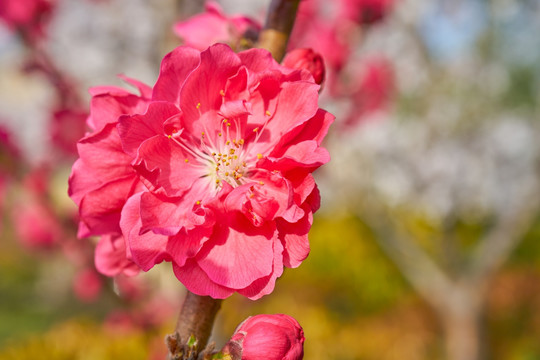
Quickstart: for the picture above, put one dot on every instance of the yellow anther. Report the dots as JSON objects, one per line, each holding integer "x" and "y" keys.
{"x": 261, "y": 183}
{"x": 256, "y": 129}
{"x": 227, "y": 142}
{"x": 221, "y": 92}
{"x": 267, "y": 113}
{"x": 186, "y": 160}
{"x": 198, "y": 105}
{"x": 231, "y": 151}
{"x": 228, "y": 124}
{"x": 219, "y": 134}
{"x": 226, "y": 173}
{"x": 259, "y": 156}
{"x": 169, "y": 136}
{"x": 241, "y": 141}
{"x": 202, "y": 134}
{"x": 213, "y": 154}
{"x": 217, "y": 181}
{"x": 235, "y": 157}
{"x": 198, "y": 202}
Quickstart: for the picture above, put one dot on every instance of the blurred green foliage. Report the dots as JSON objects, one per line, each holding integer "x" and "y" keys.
{"x": 351, "y": 300}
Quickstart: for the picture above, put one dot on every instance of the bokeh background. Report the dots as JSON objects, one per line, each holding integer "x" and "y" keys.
{"x": 427, "y": 244}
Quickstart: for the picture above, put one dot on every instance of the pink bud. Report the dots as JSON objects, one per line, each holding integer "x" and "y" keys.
{"x": 306, "y": 59}
{"x": 270, "y": 337}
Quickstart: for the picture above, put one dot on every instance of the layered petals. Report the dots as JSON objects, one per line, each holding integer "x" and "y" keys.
{"x": 101, "y": 181}
{"x": 213, "y": 174}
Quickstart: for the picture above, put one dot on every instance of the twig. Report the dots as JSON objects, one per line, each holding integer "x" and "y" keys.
{"x": 194, "y": 326}
{"x": 278, "y": 27}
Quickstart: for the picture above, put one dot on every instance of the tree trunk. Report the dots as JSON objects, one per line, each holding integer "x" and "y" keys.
{"x": 463, "y": 325}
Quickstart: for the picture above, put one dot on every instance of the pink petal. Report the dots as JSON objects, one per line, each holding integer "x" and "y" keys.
{"x": 267, "y": 195}
{"x": 83, "y": 231}
{"x": 144, "y": 90}
{"x": 187, "y": 244}
{"x": 203, "y": 89}
{"x": 106, "y": 107}
{"x": 296, "y": 104}
{"x": 101, "y": 160}
{"x": 167, "y": 216}
{"x": 203, "y": 30}
{"x": 306, "y": 154}
{"x": 198, "y": 282}
{"x": 175, "y": 68}
{"x": 110, "y": 257}
{"x": 303, "y": 185}
{"x": 265, "y": 286}
{"x": 236, "y": 87}
{"x": 163, "y": 163}
{"x": 315, "y": 128}
{"x": 238, "y": 253}
{"x": 147, "y": 249}
{"x": 235, "y": 109}
{"x": 257, "y": 60}
{"x": 135, "y": 129}
{"x": 100, "y": 209}
{"x": 295, "y": 239}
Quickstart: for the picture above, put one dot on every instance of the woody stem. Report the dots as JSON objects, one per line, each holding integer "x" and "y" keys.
{"x": 278, "y": 27}
{"x": 195, "y": 321}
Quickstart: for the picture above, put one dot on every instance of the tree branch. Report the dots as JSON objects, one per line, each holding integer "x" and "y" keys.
{"x": 194, "y": 326}
{"x": 278, "y": 27}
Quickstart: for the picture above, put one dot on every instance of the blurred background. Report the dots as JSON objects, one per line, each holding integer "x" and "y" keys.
{"x": 427, "y": 244}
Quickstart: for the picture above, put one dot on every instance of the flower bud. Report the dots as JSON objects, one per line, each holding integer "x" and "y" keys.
{"x": 270, "y": 337}
{"x": 306, "y": 59}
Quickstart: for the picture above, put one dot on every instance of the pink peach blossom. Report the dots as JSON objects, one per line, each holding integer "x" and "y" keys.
{"x": 213, "y": 26}
{"x": 270, "y": 337}
{"x": 225, "y": 151}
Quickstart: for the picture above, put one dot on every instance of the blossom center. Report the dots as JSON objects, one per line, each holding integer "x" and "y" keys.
{"x": 228, "y": 164}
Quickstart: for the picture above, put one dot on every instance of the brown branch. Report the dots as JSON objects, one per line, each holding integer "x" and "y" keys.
{"x": 194, "y": 326}
{"x": 278, "y": 27}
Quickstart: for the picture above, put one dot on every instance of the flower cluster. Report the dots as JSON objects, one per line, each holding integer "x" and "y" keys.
{"x": 211, "y": 169}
